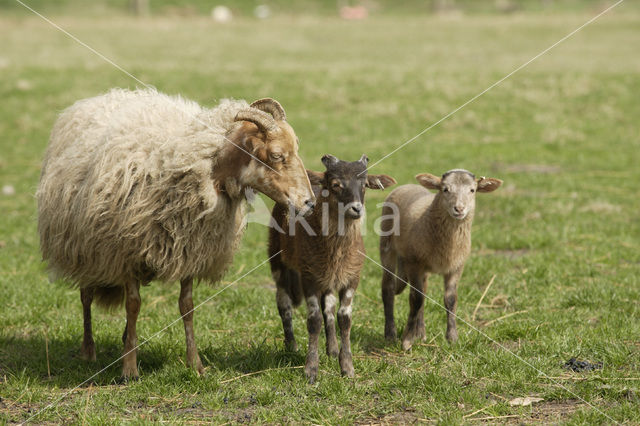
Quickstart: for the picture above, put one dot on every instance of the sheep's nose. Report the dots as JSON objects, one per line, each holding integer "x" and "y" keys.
{"x": 357, "y": 208}
{"x": 310, "y": 203}
{"x": 458, "y": 209}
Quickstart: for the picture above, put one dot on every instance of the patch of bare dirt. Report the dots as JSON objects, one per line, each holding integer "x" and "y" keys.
{"x": 400, "y": 418}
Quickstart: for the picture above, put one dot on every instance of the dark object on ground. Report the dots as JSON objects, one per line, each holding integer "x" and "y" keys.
{"x": 581, "y": 366}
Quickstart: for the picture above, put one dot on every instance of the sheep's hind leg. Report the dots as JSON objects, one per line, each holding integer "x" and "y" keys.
{"x": 451, "y": 303}
{"x": 132, "y": 304}
{"x": 88, "y": 348}
{"x": 344, "y": 321}
{"x": 328, "y": 312}
{"x": 285, "y": 309}
{"x": 314, "y": 323}
{"x": 415, "y": 323}
{"x": 185, "y": 303}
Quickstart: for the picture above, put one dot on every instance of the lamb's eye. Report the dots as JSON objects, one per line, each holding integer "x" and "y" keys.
{"x": 473, "y": 190}
{"x": 445, "y": 189}
{"x": 336, "y": 185}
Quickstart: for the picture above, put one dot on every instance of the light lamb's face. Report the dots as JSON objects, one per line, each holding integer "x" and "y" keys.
{"x": 278, "y": 172}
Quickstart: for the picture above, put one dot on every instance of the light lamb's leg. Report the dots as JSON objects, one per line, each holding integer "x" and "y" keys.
{"x": 88, "y": 348}
{"x": 328, "y": 312}
{"x": 389, "y": 294}
{"x": 314, "y": 323}
{"x": 132, "y": 304}
{"x": 185, "y": 303}
{"x": 285, "y": 309}
{"x": 344, "y": 321}
{"x": 415, "y": 323}
{"x": 451, "y": 303}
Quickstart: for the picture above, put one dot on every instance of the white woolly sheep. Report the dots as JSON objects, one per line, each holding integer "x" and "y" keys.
{"x": 138, "y": 185}
{"x": 432, "y": 235}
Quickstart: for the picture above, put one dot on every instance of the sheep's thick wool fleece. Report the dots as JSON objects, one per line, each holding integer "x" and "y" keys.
{"x": 126, "y": 190}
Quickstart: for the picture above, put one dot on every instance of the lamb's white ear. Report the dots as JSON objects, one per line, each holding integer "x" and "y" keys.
{"x": 488, "y": 184}
{"x": 315, "y": 178}
{"x": 429, "y": 181}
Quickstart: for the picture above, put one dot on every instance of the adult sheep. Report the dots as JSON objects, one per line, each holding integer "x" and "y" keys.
{"x": 139, "y": 186}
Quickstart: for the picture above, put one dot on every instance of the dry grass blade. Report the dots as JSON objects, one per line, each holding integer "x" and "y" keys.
{"x": 473, "y": 316}
{"x": 233, "y": 379}
{"x": 504, "y": 316}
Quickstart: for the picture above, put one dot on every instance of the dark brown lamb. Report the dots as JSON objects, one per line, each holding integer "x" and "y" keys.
{"x": 321, "y": 257}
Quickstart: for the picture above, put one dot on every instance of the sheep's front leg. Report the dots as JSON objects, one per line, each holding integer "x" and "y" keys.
{"x": 451, "y": 303}
{"x": 88, "y": 348}
{"x": 328, "y": 312}
{"x": 285, "y": 309}
{"x": 415, "y": 323}
{"x": 132, "y": 304}
{"x": 314, "y": 323}
{"x": 344, "y": 321}
{"x": 185, "y": 303}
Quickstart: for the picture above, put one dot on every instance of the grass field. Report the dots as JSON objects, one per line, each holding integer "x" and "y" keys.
{"x": 561, "y": 237}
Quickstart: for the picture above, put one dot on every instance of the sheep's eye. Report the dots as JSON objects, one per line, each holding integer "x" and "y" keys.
{"x": 275, "y": 156}
{"x": 336, "y": 185}
{"x": 445, "y": 189}
{"x": 473, "y": 190}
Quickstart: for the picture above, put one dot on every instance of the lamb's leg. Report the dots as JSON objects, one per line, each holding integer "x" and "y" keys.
{"x": 185, "y": 303}
{"x": 415, "y": 323}
{"x": 132, "y": 304}
{"x": 328, "y": 312}
{"x": 88, "y": 348}
{"x": 285, "y": 309}
{"x": 389, "y": 294}
{"x": 314, "y": 323}
{"x": 344, "y": 321}
{"x": 451, "y": 303}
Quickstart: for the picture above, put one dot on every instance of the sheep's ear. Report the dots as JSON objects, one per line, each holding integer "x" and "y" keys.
{"x": 429, "y": 181}
{"x": 255, "y": 146}
{"x": 379, "y": 181}
{"x": 316, "y": 178}
{"x": 488, "y": 184}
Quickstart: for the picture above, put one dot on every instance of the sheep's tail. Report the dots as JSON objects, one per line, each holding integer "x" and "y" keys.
{"x": 109, "y": 297}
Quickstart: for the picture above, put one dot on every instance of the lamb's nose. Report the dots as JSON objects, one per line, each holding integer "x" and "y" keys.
{"x": 458, "y": 209}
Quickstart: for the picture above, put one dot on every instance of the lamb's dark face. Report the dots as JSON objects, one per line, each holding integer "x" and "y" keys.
{"x": 458, "y": 189}
{"x": 344, "y": 183}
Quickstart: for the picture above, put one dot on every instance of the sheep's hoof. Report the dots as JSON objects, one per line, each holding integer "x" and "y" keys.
{"x": 452, "y": 337}
{"x": 390, "y": 335}
{"x": 197, "y": 366}
{"x": 311, "y": 372}
{"x": 332, "y": 351}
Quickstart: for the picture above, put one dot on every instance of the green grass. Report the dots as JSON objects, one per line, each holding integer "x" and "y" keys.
{"x": 561, "y": 236}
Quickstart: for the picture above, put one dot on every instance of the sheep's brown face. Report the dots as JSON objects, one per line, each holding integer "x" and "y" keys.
{"x": 344, "y": 183}
{"x": 458, "y": 189}
{"x": 275, "y": 169}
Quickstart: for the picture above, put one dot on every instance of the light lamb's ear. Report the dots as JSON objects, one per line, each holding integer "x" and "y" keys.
{"x": 379, "y": 181}
{"x": 486, "y": 184}
{"x": 315, "y": 178}
{"x": 429, "y": 181}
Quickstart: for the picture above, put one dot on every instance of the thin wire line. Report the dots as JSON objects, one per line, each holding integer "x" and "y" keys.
{"x": 150, "y": 338}
{"x": 496, "y": 83}
{"x": 148, "y": 86}
{"x": 491, "y": 339}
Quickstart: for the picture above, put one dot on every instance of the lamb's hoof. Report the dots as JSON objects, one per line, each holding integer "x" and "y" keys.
{"x": 199, "y": 369}
{"x": 452, "y": 337}
{"x": 348, "y": 371}
{"x": 291, "y": 346}
{"x": 125, "y": 380}
{"x": 390, "y": 336}
{"x": 332, "y": 352}
{"x": 311, "y": 373}
{"x": 406, "y": 345}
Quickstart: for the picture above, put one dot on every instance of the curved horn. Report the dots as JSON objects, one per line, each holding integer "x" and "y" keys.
{"x": 271, "y": 106}
{"x": 261, "y": 119}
